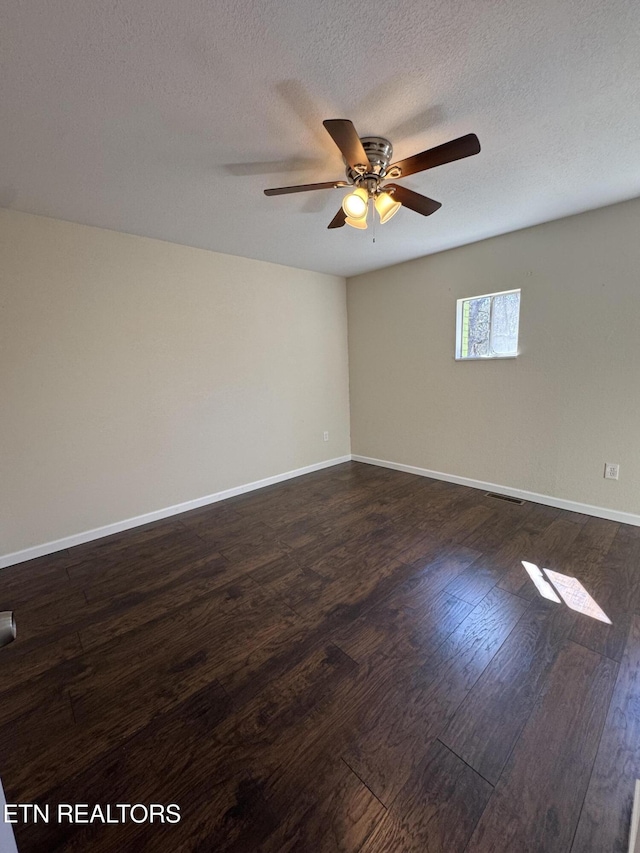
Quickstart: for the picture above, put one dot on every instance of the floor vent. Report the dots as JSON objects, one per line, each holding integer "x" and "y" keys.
{"x": 503, "y": 498}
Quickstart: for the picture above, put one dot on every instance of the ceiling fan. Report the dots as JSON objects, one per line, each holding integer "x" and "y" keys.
{"x": 368, "y": 170}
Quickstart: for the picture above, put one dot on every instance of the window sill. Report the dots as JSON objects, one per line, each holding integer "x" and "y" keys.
{"x": 484, "y": 357}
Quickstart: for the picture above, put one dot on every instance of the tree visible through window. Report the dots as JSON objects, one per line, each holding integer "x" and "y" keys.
{"x": 487, "y": 326}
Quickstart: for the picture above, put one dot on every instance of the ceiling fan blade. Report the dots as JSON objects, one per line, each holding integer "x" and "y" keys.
{"x": 346, "y": 138}
{"x": 338, "y": 219}
{"x": 414, "y": 201}
{"x": 457, "y": 149}
{"x": 303, "y": 188}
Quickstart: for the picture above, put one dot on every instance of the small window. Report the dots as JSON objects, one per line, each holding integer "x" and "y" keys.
{"x": 487, "y": 326}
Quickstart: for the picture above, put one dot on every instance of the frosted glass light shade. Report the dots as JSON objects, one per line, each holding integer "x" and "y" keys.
{"x": 386, "y": 206}
{"x": 357, "y": 223}
{"x": 355, "y": 204}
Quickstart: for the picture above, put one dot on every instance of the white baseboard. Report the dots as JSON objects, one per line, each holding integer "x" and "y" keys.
{"x": 548, "y": 500}
{"x": 157, "y": 515}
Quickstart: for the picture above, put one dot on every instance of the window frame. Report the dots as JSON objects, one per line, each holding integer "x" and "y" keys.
{"x": 492, "y": 356}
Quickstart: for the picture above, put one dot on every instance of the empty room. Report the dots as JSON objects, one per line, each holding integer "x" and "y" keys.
{"x": 320, "y": 427}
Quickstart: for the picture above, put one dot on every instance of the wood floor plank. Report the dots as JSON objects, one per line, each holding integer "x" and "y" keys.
{"x": 334, "y": 814}
{"x": 213, "y": 763}
{"x": 91, "y": 562}
{"x": 502, "y": 524}
{"x": 244, "y": 540}
{"x": 155, "y": 572}
{"x": 348, "y": 595}
{"x": 401, "y": 631}
{"x": 476, "y": 581}
{"x": 267, "y": 735}
{"x": 74, "y": 664}
{"x": 436, "y": 810}
{"x": 287, "y": 663}
{"x": 48, "y": 620}
{"x": 547, "y": 550}
{"x": 489, "y": 569}
{"x": 606, "y": 816}
{"x": 332, "y": 529}
{"x": 614, "y": 584}
{"x": 394, "y": 734}
{"x": 110, "y": 604}
{"x": 53, "y": 713}
{"x": 365, "y": 549}
{"x": 125, "y": 613}
{"x": 554, "y": 755}
{"x": 206, "y": 640}
{"x": 284, "y": 573}
{"x": 18, "y": 699}
{"x": 489, "y": 721}
{"x": 271, "y": 658}
{"x": 438, "y": 563}
{"x": 119, "y": 688}
{"x": 445, "y": 512}
{"x": 416, "y": 617}
{"x": 35, "y": 580}
{"x": 589, "y": 548}
{"x": 132, "y": 772}
{"x": 24, "y": 662}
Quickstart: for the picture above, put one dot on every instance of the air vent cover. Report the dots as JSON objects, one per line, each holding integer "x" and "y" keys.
{"x": 503, "y": 498}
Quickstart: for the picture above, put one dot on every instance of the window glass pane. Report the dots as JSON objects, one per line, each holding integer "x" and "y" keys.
{"x": 504, "y": 325}
{"x": 479, "y": 327}
{"x": 464, "y": 331}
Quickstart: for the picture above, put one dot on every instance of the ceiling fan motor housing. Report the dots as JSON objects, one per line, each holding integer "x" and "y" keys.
{"x": 379, "y": 151}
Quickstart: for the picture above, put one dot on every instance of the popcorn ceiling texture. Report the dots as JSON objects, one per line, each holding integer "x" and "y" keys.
{"x": 168, "y": 119}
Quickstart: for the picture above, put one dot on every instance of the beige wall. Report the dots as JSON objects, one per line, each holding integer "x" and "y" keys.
{"x": 137, "y": 374}
{"x": 545, "y": 422}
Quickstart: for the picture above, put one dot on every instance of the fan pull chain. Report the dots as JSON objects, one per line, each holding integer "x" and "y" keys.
{"x": 373, "y": 217}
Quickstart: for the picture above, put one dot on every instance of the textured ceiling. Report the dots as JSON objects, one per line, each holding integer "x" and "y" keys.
{"x": 167, "y": 119}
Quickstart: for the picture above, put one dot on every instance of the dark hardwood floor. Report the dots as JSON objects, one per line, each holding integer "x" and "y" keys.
{"x": 355, "y": 660}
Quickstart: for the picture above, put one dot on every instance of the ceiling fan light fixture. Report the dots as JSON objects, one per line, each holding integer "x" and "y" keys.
{"x": 355, "y": 205}
{"x": 367, "y": 167}
{"x": 386, "y": 206}
{"x": 357, "y": 223}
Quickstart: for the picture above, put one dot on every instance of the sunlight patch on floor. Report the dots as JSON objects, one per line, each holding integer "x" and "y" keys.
{"x": 576, "y": 596}
{"x": 570, "y": 589}
{"x": 542, "y": 585}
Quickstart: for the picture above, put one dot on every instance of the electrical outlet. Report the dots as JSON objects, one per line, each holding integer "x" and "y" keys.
{"x": 326, "y": 436}
{"x": 611, "y": 470}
